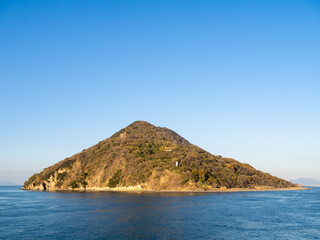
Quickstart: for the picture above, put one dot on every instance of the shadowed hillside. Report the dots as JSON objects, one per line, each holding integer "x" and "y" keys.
{"x": 142, "y": 156}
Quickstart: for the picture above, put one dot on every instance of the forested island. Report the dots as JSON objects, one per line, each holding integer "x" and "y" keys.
{"x": 143, "y": 157}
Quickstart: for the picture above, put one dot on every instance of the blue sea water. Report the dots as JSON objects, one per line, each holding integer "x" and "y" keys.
{"x": 116, "y": 215}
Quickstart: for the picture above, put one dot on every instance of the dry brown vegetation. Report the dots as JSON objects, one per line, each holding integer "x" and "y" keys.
{"x": 145, "y": 155}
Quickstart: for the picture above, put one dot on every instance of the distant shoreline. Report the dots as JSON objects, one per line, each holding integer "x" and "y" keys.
{"x": 134, "y": 190}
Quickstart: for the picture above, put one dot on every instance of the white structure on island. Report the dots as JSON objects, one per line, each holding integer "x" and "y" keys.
{"x": 177, "y": 163}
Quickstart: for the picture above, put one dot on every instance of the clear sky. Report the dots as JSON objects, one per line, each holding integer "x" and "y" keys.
{"x": 240, "y": 79}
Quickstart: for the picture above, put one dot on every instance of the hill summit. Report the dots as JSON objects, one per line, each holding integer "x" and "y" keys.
{"x": 143, "y": 156}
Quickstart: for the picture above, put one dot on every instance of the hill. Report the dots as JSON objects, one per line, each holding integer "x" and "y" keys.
{"x": 307, "y": 181}
{"x": 142, "y": 156}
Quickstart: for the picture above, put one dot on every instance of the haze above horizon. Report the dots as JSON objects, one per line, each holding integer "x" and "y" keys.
{"x": 237, "y": 78}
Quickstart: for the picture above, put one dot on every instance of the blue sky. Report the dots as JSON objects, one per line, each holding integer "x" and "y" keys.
{"x": 238, "y": 78}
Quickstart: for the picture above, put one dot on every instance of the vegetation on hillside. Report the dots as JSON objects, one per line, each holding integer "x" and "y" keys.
{"x": 145, "y": 155}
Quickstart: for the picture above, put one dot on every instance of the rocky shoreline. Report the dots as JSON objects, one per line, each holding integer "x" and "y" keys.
{"x": 140, "y": 190}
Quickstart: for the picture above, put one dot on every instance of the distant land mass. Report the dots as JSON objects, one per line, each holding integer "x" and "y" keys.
{"x": 307, "y": 181}
{"x": 5, "y": 183}
{"x": 145, "y": 157}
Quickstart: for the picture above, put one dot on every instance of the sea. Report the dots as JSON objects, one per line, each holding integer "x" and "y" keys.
{"x": 120, "y": 215}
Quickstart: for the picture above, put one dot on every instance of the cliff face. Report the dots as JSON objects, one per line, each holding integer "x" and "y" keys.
{"x": 142, "y": 156}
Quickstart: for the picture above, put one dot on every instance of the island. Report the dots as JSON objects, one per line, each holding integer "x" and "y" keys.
{"x": 143, "y": 157}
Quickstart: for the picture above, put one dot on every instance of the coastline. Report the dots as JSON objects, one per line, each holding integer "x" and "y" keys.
{"x": 140, "y": 190}
{"x": 196, "y": 191}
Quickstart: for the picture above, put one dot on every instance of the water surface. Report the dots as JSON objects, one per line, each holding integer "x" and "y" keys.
{"x": 116, "y": 215}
